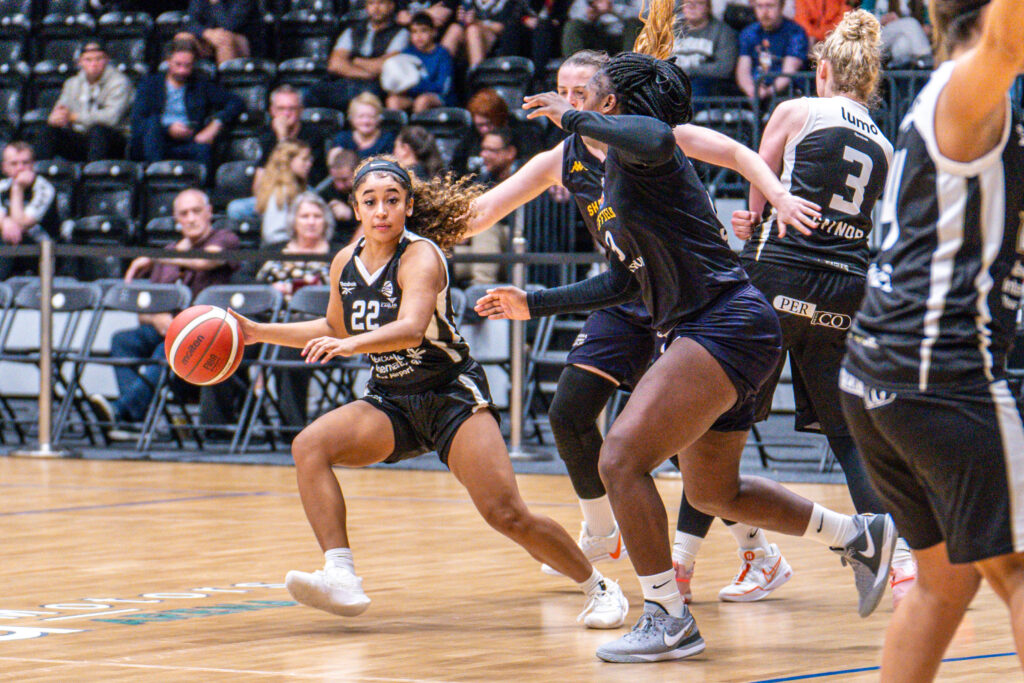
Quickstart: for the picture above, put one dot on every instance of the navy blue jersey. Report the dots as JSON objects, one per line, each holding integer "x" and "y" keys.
{"x": 839, "y": 161}
{"x": 583, "y": 176}
{"x": 944, "y": 290}
{"x": 371, "y": 300}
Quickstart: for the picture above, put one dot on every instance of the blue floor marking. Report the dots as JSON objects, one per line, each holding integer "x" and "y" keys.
{"x": 825, "y": 674}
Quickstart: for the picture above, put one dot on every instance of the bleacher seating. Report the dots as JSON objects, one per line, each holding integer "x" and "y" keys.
{"x": 448, "y": 125}
{"x": 302, "y": 33}
{"x": 110, "y": 187}
{"x": 125, "y": 35}
{"x": 60, "y": 36}
{"x": 250, "y": 79}
{"x": 64, "y": 176}
{"x": 164, "y": 180}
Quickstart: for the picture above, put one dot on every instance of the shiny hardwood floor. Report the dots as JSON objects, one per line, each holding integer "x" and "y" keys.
{"x": 128, "y": 571}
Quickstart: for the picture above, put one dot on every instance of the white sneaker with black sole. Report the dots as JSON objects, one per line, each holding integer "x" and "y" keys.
{"x": 330, "y": 589}
{"x": 656, "y": 636}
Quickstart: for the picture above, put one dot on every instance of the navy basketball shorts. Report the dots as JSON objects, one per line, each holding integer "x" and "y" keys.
{"x": 740, "y": 330}
{"x": 815, "y": 310}
{"x": 615, "y": 342}
{"x": 948, "y": 464}
{"x": 428, "y": 420}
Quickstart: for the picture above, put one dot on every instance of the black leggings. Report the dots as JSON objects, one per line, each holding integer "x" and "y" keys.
{"x": 579, "y": 400}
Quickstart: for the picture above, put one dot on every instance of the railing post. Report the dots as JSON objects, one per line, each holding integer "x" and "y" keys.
{"x": 44, "y": 448}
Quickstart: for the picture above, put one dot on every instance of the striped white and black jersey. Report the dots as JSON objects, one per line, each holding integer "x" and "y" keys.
{"x": 944, "y": 290}
{"x": 371, "y": 300}
{"x": 839, "y": 161}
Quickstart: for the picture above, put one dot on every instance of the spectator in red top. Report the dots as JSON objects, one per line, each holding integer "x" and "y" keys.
{"x": 819, "y": 17}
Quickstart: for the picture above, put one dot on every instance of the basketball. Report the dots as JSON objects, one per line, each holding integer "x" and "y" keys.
{"x": 204, "y": 345}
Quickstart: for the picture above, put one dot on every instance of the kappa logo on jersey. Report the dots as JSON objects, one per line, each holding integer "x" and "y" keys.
{"x": 577, "y": 167}
{"x": 795, "y": 306}
{"x": 836, "y": 321}
{"x": 876, "y": 398}
{"x": 636, "y": 264}
{"x": 347, "y": 288}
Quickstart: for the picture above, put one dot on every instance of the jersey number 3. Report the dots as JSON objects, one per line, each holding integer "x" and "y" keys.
{"x": 858, "y": 183}
{"x": 364, "y": 315}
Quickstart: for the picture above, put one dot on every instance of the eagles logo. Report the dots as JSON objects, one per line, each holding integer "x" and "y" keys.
{"x": 387, "y": 289}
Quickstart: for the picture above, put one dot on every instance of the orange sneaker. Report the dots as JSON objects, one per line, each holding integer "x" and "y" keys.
{"x": 683, "y": 581}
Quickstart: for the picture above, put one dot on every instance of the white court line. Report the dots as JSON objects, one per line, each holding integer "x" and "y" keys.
{"x": 291, "y": 674}
{"x": 91, "y": 614}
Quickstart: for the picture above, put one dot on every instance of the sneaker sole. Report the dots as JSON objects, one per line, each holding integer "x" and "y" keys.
{"x": 694, "y": 646}
{"x": 869, "y": 603}
{"x": 310, "y": 596}
{"x": 758, "y": 593}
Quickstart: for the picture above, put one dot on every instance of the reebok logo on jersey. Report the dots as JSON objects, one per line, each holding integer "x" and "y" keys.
{"x": 794, "y": 306}
{"x": 347, "y": 288}
{"x": 577, "y": 167}
{"x": 636, "y": 264}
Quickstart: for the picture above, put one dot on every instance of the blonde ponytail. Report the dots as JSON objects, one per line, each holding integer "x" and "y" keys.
{"x": 854, "y": 50}
{"x": 658, "y": 37}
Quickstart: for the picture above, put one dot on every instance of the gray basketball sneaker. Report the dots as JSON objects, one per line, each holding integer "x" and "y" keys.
{"x": 870, "y": 557}
{"x": 655, "y": 636}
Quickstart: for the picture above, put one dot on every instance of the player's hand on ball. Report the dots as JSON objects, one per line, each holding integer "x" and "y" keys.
{"x": 247, "y": 327}
{"x": 503, "y": 303}
{"x": 322, "y": 349}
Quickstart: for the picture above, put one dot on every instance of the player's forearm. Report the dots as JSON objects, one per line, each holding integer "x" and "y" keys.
{"x": 295, "y": 335}
{"x": 396, "y": 336}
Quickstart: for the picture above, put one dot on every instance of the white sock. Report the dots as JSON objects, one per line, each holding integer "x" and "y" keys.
{"x": 593, "y": 584}
{"x": 597, "y": 513}
{"x": 685, "y": 549}
{"x": 661, "y": 590}
{"x": 340, "y": 558}
{"x": 901, "y": 557}
{"x": 748, "y": 537}
{"x": 831, "y": 528}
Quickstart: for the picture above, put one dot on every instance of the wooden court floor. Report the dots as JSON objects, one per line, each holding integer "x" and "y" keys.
{"x": 131, "y": 571}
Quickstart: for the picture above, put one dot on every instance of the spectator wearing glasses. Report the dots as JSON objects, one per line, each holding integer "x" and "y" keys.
{"x": 88, "y": 122}
{"x": 771, "y": 46}
{"x": 706, "y": 50}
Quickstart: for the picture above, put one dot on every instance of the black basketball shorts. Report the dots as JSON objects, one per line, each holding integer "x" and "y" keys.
{"x": 616, "y": 343}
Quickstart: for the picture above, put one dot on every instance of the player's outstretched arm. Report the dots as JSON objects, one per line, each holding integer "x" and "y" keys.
{"x": 535, "y": 176}
{"x": 786, "y": 121}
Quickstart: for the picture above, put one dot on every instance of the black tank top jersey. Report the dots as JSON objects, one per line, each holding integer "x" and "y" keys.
{"x": 583, "y": 176}
{"x": 839, "y": 161}
{"x": 944, "y": 290}
{"x": 661, "y": 224}
{"x": 371, "y": 300}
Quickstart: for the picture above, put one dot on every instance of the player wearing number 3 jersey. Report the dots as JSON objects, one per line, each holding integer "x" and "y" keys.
{"x": 390, "y": 300}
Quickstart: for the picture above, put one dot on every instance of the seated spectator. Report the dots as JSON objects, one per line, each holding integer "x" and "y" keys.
{"x": 819, "y": 17}
{"x": 89, "y": 120}
{"x": 285, "y": 124}
{"x": 285, "y": 177}
{"x": 904, "y": 40}
{"x": 417, "y": 151}
{"x": 178, "y": 115}
{"x": 500, "y": 159}
{"x": 194, "y": 216}
{"x": 609, "y": 25}
{"x": 486, "y": 28}
{"x": 489, "y": 112}
{"x": 771, "y": 46}
{"x": 441, "y": 13}
{"x": 336, "y": 190}
{"x": 27, "y": 212}
{"x": 221, "y": 28}
{"x": 706, "y": 50}
{"x": 366, "y": 138}
{"x": 310, "y": 225}
{"x": 358, "y": 56}
{"x": 435, "y": 86}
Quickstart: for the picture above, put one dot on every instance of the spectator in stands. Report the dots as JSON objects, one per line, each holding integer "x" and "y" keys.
{"x": 221, "y": 28}
{"x": 89, "y": 120}
{"x": 285, "y": 177}
{"x": 417, "y": 151}
{"x": 500, "y": 160}
{"x": 336, "y": 190}
{"x": 358, "y": 57}
{"x": 366, "y": 137}
{"x": 194, "y": 215}
{"x": 819, "y": 17}
{"x": 435, "y": 86}
{"x": 485, "y": 28}
{"x": 706, "y": 49}
{"x": 310, "y": 225}
{"x": 489, "y": 112}
{"x": 441, "y": 13}
{"x": 771, "y": 46}
{"x": 27, "y": 212}
{"x": 178, "y": 115}
{"x": 904, "y": 39}
{"x": 609, "y": 25}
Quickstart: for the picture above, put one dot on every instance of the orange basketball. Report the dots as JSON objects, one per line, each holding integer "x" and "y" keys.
{"x": 203, "y": 345}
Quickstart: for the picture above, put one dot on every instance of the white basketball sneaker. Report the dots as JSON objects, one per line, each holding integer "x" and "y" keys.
{"x": 596, "y": 548}
{"x": 330, "y": 589}
{"x": 607, "y": 607}
{"x": 761, "y": 572}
